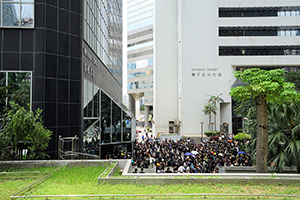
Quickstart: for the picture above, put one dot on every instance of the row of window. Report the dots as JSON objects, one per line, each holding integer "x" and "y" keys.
{"x": 140, "y": 11}
{"x": 259, "y": 31}
{"x": 139, "y": 24}
{"x": 258, "y": 50}
{"x": 140, "y": 64}
{"x": 137, "y": 5}
{"x": 140, "y": 85}
{"x": 17, "y": 14}
{"x": 259, "y": 11}
{"x": 114, "y": 124}
{"x": 103, "y": 32}
{"x": 139, "y": 46}
{"x": 140, "y": 74}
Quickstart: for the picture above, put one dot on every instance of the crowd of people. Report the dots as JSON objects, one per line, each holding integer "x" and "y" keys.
{"x": 186, "y": 156}
{"x": 180, "y": 156}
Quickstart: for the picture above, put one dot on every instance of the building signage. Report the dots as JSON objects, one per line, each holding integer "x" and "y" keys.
{"x": 205, "y": 72}
{"x": 90, "y": 57}
{"x": 88, "y": 69}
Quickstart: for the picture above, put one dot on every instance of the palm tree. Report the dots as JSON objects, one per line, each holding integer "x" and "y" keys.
{"x": 284, "y": 135}
{"x": 208, "y": 110}
{"x": 214, "y": 100}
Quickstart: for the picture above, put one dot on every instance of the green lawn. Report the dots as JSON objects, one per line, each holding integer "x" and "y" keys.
{"x": 12, "y": 183}
{"x": 83, "y": 180}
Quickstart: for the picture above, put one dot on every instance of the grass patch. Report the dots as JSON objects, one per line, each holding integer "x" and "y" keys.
{"x": 12, "y": 183}
{"x": 118, "y": 173}
{"x": 83, "y": 180}
{"x": 108, "y": 169}
{"x": 75, "y": 180}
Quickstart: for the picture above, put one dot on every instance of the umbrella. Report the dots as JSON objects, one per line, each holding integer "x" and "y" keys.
{"x": 194, "y": 152}
{"x": 242, "y": 152}
{"x": 188, "y": 154}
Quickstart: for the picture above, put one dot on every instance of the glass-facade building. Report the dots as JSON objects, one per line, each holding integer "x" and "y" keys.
{"x": 140, "y": 52}
{"x": 69, "y": 54}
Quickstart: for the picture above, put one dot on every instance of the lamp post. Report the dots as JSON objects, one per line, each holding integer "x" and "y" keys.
{"x": 225, "y": 125}
{"x": 201, "y": 124}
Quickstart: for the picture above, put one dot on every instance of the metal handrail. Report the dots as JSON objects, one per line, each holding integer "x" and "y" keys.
{"x": 157, "y": 195}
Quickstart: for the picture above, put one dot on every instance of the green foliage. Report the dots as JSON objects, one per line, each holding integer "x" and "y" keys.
{"x": 142, "y": 107}
{"x": 208, "y": 133}
{"x": 242, "y": 136}
{"x": 3, "y": 96}
{"x": 214, "y": 99}
{"x": 211, "y": 107}
{"x": 284, "y": 135}
{"x": 263, "y": 86}
{"x": 208, "y": 110}
{"x": 258, "y": 82}
{"x": 18, "y": 88}
{"x": 293, "y": 77}
{"x": 211, "y": 133}
{"x": 25, "y": 126}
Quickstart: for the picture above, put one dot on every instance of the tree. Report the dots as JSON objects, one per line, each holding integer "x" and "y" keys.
{"x": 3, "y": 98}
{"x": 208, "y": 110}
{"x": 293, "y": 77}
{"x": 284, "y": 135}
{"x": 263, "y": 86}
{"x": 19, "y": 87}
{"x": 214, "y": 100}
{"x": 26, "y": 126}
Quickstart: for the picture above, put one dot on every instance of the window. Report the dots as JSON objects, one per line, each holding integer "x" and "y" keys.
{"x": 103, "y": 32}
{"x": 258, "y": 50}
{"x": 17, "y": 13}
{"x": 259, "y": 11}
{"x": 18, "y": 88}
{"x": 259, "y": 31}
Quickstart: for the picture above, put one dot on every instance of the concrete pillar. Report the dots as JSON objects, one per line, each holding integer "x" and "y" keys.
{"x": 147, "y": 110}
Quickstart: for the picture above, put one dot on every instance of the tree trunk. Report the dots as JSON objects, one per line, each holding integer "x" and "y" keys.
{"x": 262, "y": 135}
{"x": 209, "y": 121}
{"x": 215, "y": 119}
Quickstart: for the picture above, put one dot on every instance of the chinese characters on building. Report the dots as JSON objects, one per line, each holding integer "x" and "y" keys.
{"x": 205, "y": 72}
{"x": 87, "y": 69}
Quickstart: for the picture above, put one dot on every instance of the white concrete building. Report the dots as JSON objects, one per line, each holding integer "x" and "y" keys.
{"x": 198, "y": 44}
{"x": 140, "y": 57}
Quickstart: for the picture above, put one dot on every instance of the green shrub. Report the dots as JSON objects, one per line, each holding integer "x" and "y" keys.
{"x": 211, "y": 133}
{"x": 248, "y": 137}
{"x": 242, "y": 136}
{"x": 208, "y": 133}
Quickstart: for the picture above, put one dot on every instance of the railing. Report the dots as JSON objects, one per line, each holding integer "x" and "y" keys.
{"x": 152, "y": 196}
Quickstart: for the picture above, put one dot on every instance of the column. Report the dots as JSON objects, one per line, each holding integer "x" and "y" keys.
{"x": 147, "y": 109}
